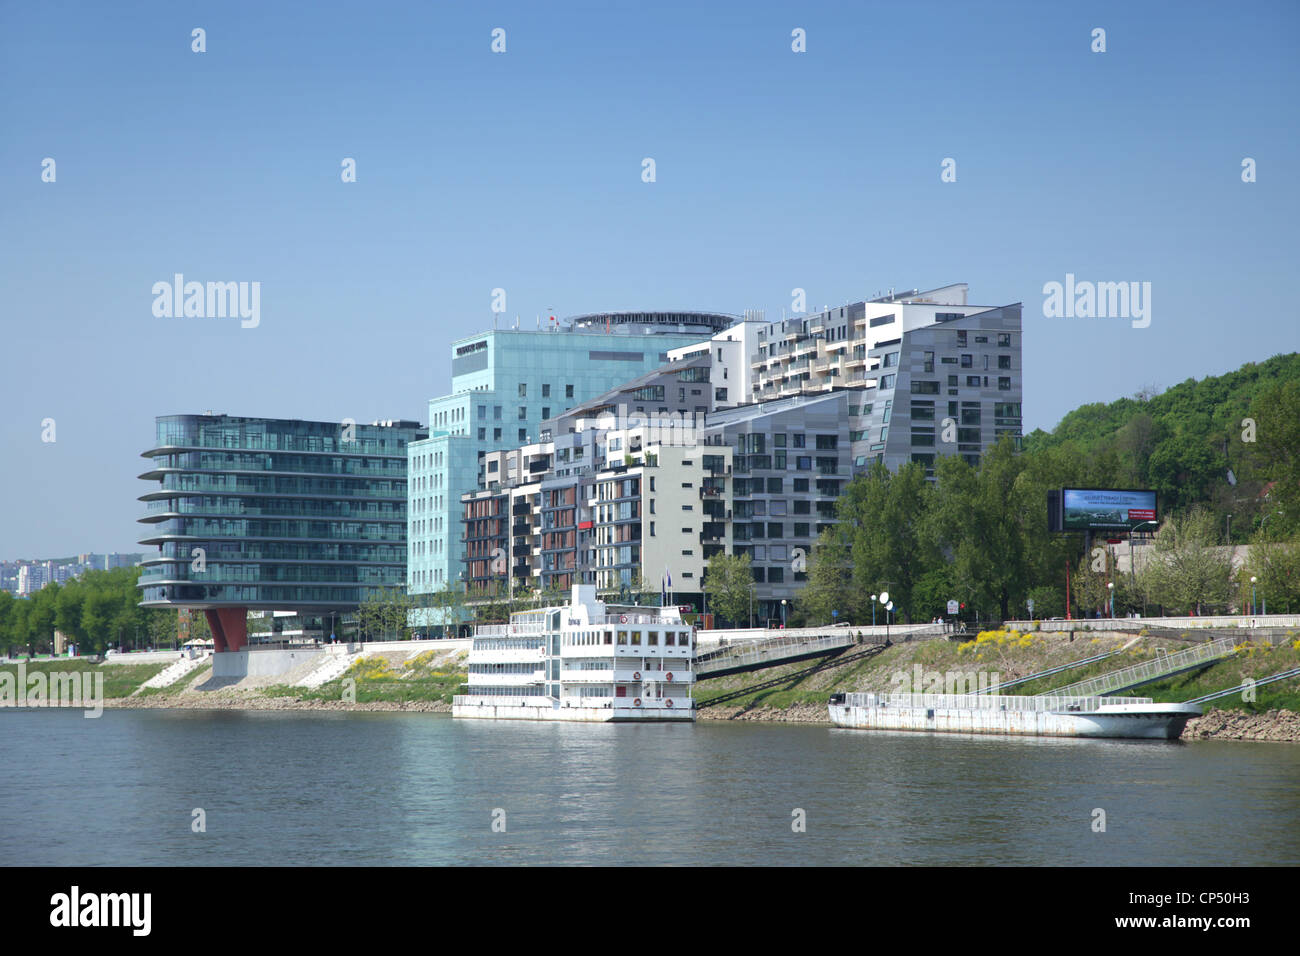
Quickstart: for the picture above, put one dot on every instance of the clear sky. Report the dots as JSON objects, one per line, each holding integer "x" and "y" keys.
{"x": 521, "y": 170}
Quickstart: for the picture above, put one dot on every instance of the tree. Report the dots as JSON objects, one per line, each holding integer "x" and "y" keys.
{"x": 981, "y": 515}
{"x": 1277, "y": 419}
{"x": 1187, "y": 571}
{"x": 830, "y": 572}
{"x": 729, "y": 585}
{"x": 1276, "y": 564}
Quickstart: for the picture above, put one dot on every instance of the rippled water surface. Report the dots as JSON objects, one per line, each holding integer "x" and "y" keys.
{"x": 323, "y": 788}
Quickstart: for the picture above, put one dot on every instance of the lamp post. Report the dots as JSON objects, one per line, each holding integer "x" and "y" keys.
{"x": 1110, "y": 587}
{"x": 873, "y": 610}
{"x": 1263, "y": 521}
{"x": 1252, "y": 595}
{"x": 1229, "y": 529}
{"x": 889, "y": 609}
{"x": 783, "y": 613}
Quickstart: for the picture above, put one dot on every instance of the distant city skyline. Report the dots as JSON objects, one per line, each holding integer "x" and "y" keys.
{"x": 995, "y": 147}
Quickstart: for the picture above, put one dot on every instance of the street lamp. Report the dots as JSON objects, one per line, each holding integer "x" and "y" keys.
{"x": 873, "y": 610}
{"x": 889, "y": 608}
{"x": 783, "y": 613}
{"x": 1252, "y": 595}
{"x": 1110, "y": 587}
{"x": 1229, "y": 529}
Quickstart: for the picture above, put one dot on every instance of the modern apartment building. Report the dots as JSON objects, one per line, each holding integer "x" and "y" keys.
{"x": 766, "y": 473}
{"x": 505, "y": 384}
{"x": 274, "y": 514}
{"x": 923, "y": 359}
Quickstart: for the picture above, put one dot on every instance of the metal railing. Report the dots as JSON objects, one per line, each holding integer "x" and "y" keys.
{"x": 1096, "y": 658}
{"x": 1056, "y": 702}
{"x": 1160, "y": 666}
{"x": 1293, "y": 672}
{"x": 509, "y": 630}
{"x": 775, "y": 649}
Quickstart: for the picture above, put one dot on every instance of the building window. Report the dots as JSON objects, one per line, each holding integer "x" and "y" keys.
{"x": 523, "y": 390}
{"x": 546, "y": 391}
{"x": 568, "y": 391}
{"x": 1004, "y": 340}
{"x": 967, "y": 361}
{"x": 496, "y": 413}
{"x": 546, "y": 412}
{"x": 1004, "y": 384}
{"x": 800, "y": 484}
{"x": 496, "y": 434}
{"x": 881, "y": 320}
{"x": 961, "y": 338}
{"x": 482, "y": 434}
{"x": 523, "y": 434}
{"x": 1004, "y": 361}
{"x": 926, "y": 388}
{"x": 972, "y": 381}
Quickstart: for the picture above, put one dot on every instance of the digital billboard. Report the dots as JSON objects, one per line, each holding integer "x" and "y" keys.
{"x": 1106, "y": 509}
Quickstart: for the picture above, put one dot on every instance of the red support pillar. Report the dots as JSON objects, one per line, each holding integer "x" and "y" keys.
{"x": 229, "y": 626}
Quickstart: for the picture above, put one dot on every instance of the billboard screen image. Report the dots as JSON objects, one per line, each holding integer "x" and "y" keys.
{"x": 1086, "y": 508}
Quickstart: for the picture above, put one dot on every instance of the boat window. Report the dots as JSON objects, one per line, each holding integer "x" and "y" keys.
{"x": 609, "y": 637}
{"x": 636, "y": 638}
{"x": 669, "y": 638}
{"x": 652, "y": 638}
{"x": 622, "y": 637}
{"x": 685, "y": 639}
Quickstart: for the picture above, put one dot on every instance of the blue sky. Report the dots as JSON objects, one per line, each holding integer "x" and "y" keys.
{"x": 522, "y": 170}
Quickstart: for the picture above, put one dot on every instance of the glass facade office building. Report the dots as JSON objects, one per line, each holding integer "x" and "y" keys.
{"x": 274, "y": 514}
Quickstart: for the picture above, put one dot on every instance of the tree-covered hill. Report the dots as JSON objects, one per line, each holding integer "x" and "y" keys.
{"x": 1184, "y": 441}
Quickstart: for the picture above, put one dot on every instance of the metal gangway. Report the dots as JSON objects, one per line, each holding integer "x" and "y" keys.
{"x": 1293, "y": 672}
{"x": 756, "y": 655}
{"x": 1096, "y": 658}
{"x": 1159, "y": 667}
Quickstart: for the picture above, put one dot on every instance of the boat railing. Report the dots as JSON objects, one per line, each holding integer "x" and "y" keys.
{"x": 509, "y": 630}
{"x": 501, "y": 700}
{"x": 988, "y": 702}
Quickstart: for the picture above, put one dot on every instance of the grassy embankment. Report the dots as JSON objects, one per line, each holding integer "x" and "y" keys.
{"x": 120, "y": 680}
{"x": 423, "y": 678}
{"x": 1012, "y": 655}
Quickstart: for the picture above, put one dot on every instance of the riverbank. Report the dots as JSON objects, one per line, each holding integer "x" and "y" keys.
{"x": 254, "y": 700}
{"x": 426, "y": 682}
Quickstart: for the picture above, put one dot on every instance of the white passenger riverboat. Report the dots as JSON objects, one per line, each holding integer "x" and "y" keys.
{"x": 584, "y": 661}
{"x": 1137, "y": 717}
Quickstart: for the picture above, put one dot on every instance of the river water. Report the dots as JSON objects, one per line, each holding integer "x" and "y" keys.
{"x": 298, "y": 787}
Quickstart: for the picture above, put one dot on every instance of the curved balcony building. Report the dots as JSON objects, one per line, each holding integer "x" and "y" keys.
{"x": 274, "y": 514}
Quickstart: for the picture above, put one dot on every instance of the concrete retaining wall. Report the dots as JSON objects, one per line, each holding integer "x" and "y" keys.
{"x": 240, "y": 664}
{"x": 1135, "y": 624}
{"x": 709, "y": 640}
{"x": 143, "y": 657}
